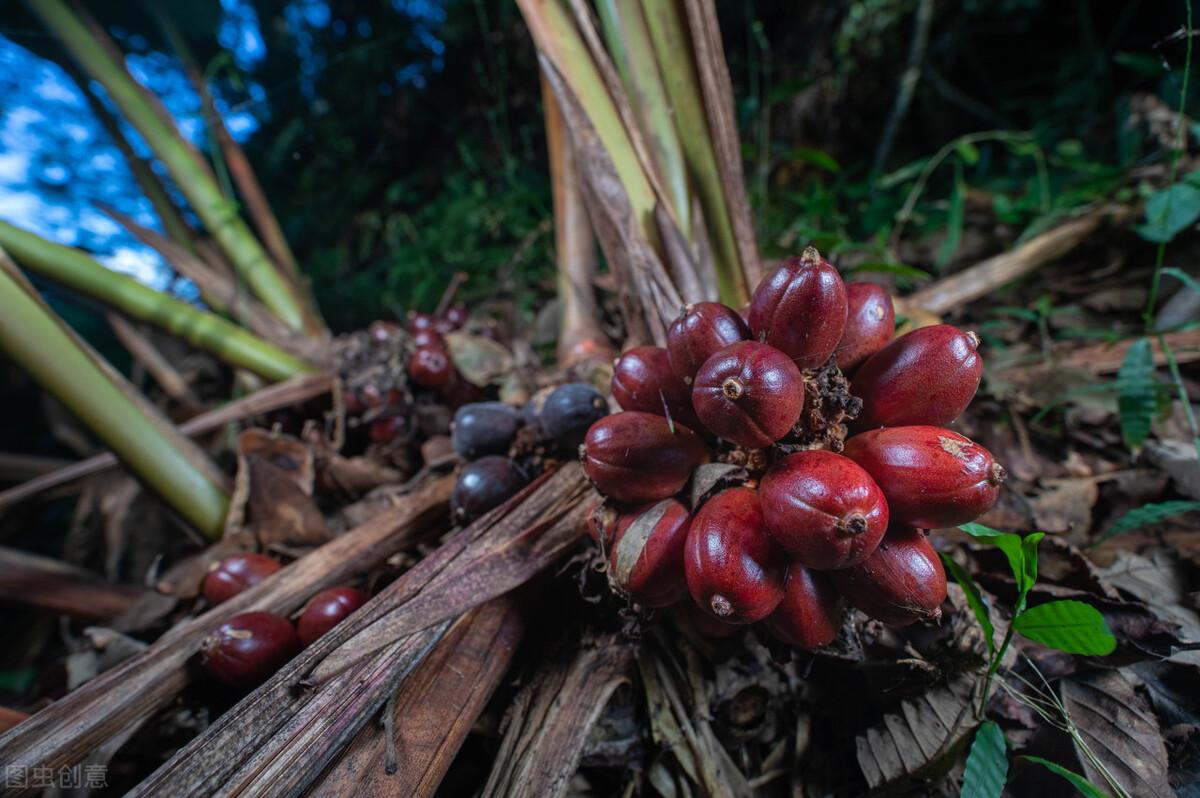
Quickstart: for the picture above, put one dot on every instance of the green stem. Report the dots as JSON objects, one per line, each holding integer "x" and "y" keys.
{"x": 220, "y": 217}
{"x": 39, "y": 343}
{"x": 203, "y": 330}
{"x": 993, "y": 667}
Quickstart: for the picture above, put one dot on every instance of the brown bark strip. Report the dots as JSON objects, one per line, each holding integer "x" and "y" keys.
{"x": 434, "y": 709}
{"x": 65, "y": 732}
{"x": 278, "y": 740}
{"x": 1107, "y": 358}
{"x": 59, "y": 587}
{"x": 717, "y": 89}
{"x": 548, "y": 723}
{"x": 282, "y": 394}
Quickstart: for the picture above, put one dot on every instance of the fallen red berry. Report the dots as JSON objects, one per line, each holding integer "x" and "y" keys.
{"x": 800, "y": 309}
{"x": 645, "y": 554}
{"x": 702, "y": 330}
{"x": 248, "y": 648}
{"x": 810, "y": 614}
{"x": 431, "y": 367}
{"x": 749, "y": 393}
{"x": 901, "y": 583}
{"x": 236, "y": 573}
{"x": 326, "y": 610}
{"x": 637, "y": 457}
{"x": 823, "y": 509}
{"x": 931, "y": 477}
{"x": 870, "y": 324}
{"x": 928, "y": 376}
{"x": 734, "y": 570}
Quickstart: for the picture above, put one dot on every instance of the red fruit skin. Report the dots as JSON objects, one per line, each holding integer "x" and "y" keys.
{"x": 236, "y": 573}
{"x": 928, "y": 376}
{"x": 823, "y": 509}
{"x": 634, "y": 457}
{"x": 326, "y": 610}
{"x": 901, "y": 583}
{"x": 645, "y": 557}
{"x": 421, "y": 321}
{"x": 456, "y": 316}
{"x": 931, "y": 477}
{"x": 702, "y": 330}
{"x": 642, "y": 379}
{"x": 870, "y": 325}
{"x": 749, "y": 393}
{"x": 690, "y": 617}
{"x": 248, "y": 648}
{"x": 428, "y": 337}
{"x": 386, "y": 429}
{"x": 430, "y": 367}
{"x": 810, "y": 614}
{"x": 734, "y": 570}
{"x": 800, "y": 309}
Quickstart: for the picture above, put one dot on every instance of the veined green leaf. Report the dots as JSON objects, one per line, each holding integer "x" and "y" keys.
{"x": 987, "y": 764}
{"x": 1008, "y": 543}
{"x": 1078, "y": 782}
{"x": 1169, "y": 212}
{"x": 1070, "y": 626}
{"x": 1137, "y": 393}
{"x": 974, "y": 599}
{"x": 1146, "y": 515}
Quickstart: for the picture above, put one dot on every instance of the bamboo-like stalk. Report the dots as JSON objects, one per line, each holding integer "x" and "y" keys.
{"x": 672, "y": 44}
{"x": 166, "y": 461}
{"x": 628, "y": 41}
{"x": 196, "y": 182}
{"x": 203, "y": 330}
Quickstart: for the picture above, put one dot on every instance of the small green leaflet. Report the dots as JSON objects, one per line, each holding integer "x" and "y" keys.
{"x": 1137, "y": 393}
{"x": 1021, "y": 554}
{"x": 1070, "y": 626}
{"x": 1182, "y": 277}
{"x": 1077, "y": 781}
{"x": 1169, "y": 212}
{"x": 1147, "y": 515}
{"x": 974, "y": 599}
{"x": 987, "y": 764}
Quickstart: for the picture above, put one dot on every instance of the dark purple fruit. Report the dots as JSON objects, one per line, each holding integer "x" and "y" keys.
{"x": 484, "y": 428}
{"x": 702, "y": 330}
{"x": 636, "y": 457}
{"x": 569, "y": 411}
{"x": 901, "y": 583}
{"x": 810, "y": 614}
{"x": 643, "y": 380}
{"x": 749, "y": 393}
{"x": 645, "y": 554}
{"x": 800, "y": 309}
{"x": 823, "y": 509}
{"x": 928, "y": 376}
{"x": 931, "y": 477}
{"x": 247, "y": 649}
{"x": 734, "y": 571}
{"x": 483, "y": 485}
{"x": 870, "y": 324}
{"x": 326, "y": 610}
{"x": 236, "y": 573}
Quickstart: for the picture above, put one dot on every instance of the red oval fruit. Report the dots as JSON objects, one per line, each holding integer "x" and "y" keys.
{"x": 428, "y": 337}
{"x": 690, "y": 617}
{"x": 901, "y": 583}
{"x": 823, "y": 509}
{"x": 384, "y": 430}
{"x": 702, "y": 330}
{"x": 236, "y": 573}
{"x": 431, "y": 367}
{"x": 870, "y": 324}
{"x": 417, "y": 321}
{"x": 456, "y": 316}
{"x": 635, "y": 457}
{"x": 326, "y": 610}
{"x": 248, "y": 648}
{"x": 928, "y": 376}
{"x": 749, "y": 393}
{"x": 931, "y": 477}
{"x": 734, "y": 570}
{"x": 800, "y": 308}
{"x": 645, "y": 557}
{"x": 643, "y": 380}
{"x": 810, "y": 614}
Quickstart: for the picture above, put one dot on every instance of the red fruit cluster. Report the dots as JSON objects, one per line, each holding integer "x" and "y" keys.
{"x": 818, "y": 527}
{"x": 430, "y": 365}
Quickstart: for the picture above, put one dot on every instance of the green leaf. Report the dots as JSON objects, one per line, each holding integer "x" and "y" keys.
{"x": 1077, "y": 781}
{"x": 974, "y": 599}
{"x": 1070, "y": 626}
{"x": 987, "y": 764}
{"x": 1137, "y": 393}
{"x": 1008, "y": 543}
{"x": 1029, "y": 562}
{"x": 1183, "y": 277}
{"x": 1170, "y": 211}
{"x": 967, "y": 151}
{"x": 954, "y": 221}
{"x": 818, "y": 158}
{"x": 1146, "y": 515}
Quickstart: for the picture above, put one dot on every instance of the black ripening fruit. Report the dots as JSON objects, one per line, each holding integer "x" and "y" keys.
{"x": 484, "y": 428}
{"x": 569, "y": 411}
{"x": 485, "y": 484}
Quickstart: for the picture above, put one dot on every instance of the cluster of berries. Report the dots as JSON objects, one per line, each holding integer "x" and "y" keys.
{"x": 812, "y": 525}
